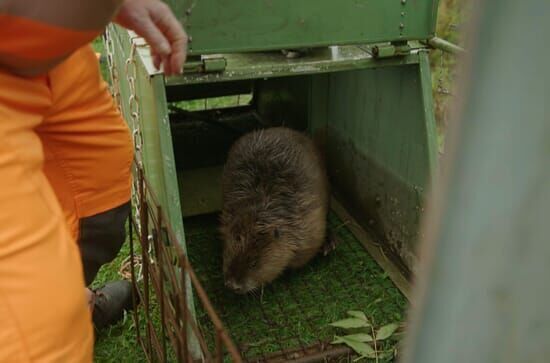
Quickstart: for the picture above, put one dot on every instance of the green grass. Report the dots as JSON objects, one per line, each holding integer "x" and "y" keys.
{"x": 99, "y": 47}
{"x": 117, "y": 344}
{"x": 296, "y": 309}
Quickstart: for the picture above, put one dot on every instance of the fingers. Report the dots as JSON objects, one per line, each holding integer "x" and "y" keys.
{"x": 179, "y": 54}
{"x": 157, "y": 60}
{"x": 170, "y": 27}
{"x": 166, "y": 67}
{"x": 154, "y": 36}
{"x": 154, "y": 21}
{"x": 166, "y": 64}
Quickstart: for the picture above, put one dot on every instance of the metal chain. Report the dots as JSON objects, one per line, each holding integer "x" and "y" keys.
{"x": 113, "y": 71}
{"x": 130, "y": 70}
{"x": 134, "y": 121}
{"x": 133, "y": 103}
{"x": 115, "y": 91}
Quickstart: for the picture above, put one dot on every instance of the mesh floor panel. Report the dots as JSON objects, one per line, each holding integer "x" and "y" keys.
{"x": 293, "y": 313}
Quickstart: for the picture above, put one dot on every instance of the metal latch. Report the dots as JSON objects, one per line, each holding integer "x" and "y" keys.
{"x": 391, "y": 50}
{"x": 205, "y": 64}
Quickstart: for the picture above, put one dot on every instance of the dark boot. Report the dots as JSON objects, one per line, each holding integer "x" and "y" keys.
{"x": 110, "y": 302}
{"x": 100, "y": 240}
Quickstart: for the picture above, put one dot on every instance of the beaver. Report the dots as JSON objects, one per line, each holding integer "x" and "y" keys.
{"x": 275, "y": 203}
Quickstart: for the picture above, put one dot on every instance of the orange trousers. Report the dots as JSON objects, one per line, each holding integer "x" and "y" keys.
{"x": 65, "y": 154}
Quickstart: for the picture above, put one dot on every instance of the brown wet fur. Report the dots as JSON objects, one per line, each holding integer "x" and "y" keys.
{"x": 275, "y": 204}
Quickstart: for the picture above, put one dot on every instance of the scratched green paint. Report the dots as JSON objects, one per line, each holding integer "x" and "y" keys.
{"x": 218, "y": 26}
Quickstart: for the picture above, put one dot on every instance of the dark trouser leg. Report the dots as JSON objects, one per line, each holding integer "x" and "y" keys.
{"x": 101, "y": 237}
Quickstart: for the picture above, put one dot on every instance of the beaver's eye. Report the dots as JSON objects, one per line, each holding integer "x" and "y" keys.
{"x": 276, "y": 233}
{"x": 253, "y": 264}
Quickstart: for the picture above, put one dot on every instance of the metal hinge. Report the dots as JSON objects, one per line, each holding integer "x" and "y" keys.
{"x": 209, "y": 64}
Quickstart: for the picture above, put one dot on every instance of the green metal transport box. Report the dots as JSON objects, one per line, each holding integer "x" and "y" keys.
{"x": 254, "y": 25}
{"x": 362, "y": 91}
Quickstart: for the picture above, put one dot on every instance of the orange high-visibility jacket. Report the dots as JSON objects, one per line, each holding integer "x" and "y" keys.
{"x": 36, "y": 35}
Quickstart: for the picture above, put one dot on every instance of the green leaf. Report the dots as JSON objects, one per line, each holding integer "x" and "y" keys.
{"x": 386, "y": 354}
{"x": 358, "y": 314}
{"x": 360, "y": 348}
{"x": 386, "y": 331}
{"x": 350, "y": 323}
{"x": 360, "y": 337}
{"x": 372, "y": 354}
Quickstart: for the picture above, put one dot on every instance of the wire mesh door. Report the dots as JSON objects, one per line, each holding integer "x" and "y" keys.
{"x": 164, "y": 324}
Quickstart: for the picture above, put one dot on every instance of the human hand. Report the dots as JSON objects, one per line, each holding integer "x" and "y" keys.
{"x": 154, "y": 21}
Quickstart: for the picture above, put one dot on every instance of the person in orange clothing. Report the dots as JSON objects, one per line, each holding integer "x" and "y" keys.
{"x": 65, "y": 156}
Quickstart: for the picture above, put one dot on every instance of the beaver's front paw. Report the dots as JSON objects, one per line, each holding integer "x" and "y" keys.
{"x": 331, "y": 241}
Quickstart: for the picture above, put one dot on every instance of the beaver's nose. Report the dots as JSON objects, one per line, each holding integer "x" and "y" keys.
{"x": 234, "y": 285}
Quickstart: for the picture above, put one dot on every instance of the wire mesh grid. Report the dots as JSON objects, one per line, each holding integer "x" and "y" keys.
{"x": 290, "y": 319}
